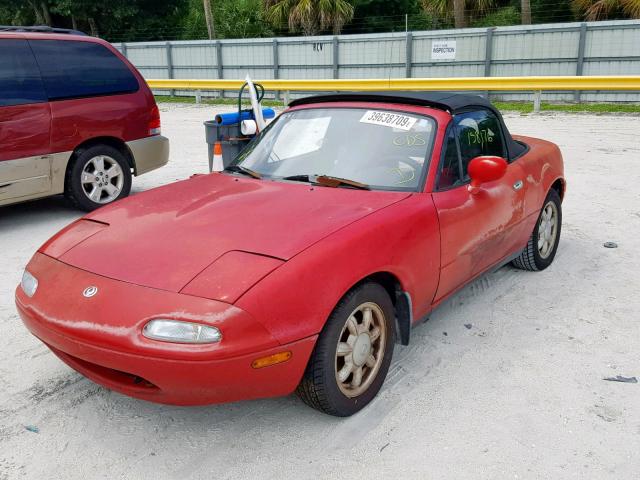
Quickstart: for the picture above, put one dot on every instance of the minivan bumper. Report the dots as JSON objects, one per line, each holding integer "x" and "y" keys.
{"x": 149, "y": 153}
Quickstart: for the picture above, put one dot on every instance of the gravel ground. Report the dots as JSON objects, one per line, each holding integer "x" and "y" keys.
{"x": 519, "y": 394}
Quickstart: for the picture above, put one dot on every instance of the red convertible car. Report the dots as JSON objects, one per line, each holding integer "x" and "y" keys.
{"x": 339, "y": 227}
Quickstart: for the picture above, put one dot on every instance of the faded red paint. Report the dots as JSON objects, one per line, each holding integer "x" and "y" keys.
{"x": 161, "y": 251}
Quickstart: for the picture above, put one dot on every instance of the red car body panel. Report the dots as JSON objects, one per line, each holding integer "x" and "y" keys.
{"x": 334, "y": 265}
{"x": 473, "y": 246}
{"x": 106, "y": 345}
{"x": 266, "y": 262}
{"x": 26, "y": 130}
{"x": 125, "y": 117}
{"x": 211, "y": 215}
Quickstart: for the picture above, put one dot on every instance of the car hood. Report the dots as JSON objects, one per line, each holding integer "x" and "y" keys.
{"x": 165, "y": 237}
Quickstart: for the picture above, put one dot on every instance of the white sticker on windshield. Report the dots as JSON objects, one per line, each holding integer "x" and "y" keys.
{"x": 388, "y": 119}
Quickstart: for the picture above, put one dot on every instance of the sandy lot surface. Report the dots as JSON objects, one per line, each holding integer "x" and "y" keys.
{"x": 518, "y": 395}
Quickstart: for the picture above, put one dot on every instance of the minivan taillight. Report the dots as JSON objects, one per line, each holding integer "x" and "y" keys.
{"x": 154, "y": 121}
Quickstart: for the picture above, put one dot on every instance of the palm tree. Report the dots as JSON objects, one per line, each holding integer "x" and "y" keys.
{"x": 525, "y": 11}
{"x": 602, "y": 9}
{"x": 208, "y": 16}
{"x": 310, "y": 16}
{"x": 462, "y": 10}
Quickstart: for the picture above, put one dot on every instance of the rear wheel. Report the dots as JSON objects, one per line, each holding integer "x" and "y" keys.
{"x": 353, "y": 353}
{"x": 98, "y": 176}
{"x": 543, "y": 243}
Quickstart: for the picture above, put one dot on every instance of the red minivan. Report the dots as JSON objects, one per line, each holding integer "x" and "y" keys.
{"x": 75, "y": 118}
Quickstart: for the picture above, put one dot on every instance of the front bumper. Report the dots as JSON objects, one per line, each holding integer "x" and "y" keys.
{"x": 100, "y": 337}
{"x": 149, "y": 153}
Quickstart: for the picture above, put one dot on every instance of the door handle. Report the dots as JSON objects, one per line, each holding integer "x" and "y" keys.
{"x": 518, "y": 185}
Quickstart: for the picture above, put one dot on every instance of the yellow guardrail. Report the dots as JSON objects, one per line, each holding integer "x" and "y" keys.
{"x": 610, "y": 83}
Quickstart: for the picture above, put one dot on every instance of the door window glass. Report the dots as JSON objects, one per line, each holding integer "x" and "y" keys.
{"x": 72, "y": 69}
{"x": 479, "y": 133}
{"x": 449, "y": 174}
{"x": 20, "y": 81}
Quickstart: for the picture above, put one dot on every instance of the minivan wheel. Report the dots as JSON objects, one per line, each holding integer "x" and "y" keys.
{"x": 352, "y": 354}
{"x": 98, "y": 176}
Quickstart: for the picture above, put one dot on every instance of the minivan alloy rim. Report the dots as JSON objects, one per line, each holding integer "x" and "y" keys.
{"x": 361, "y": 349}
{"x": 547, "y": 229}
{"x": 102, "y": 179}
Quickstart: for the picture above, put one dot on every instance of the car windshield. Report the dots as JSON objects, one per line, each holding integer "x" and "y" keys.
{"x": 382, "y": 149}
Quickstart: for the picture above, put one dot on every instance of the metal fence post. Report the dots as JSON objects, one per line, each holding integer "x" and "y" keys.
{"x": 276, "y": 65}
{"x": 408, "y": 54}
{"x": 336, "y": 53}
{"x": 219, "y": 63}
{"x": 580, "y": 60}
{"x": 537, "y": 101}
{"x": 488, "y": 52}
{"x": 167, "y": 48}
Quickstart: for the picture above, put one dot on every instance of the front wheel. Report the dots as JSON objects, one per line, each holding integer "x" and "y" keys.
{"x": 353, "y": 353}
{"x": 98, "y": 176}
{"x": 543, "y": 243}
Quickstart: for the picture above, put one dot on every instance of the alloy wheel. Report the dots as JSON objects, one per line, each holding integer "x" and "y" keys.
{"x": 361, "y": 349}
{"x": 547, "y": 229}
{"x": 102, "y": 179}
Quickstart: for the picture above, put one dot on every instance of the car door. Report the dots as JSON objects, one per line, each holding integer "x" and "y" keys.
{"x": 477, "y": 230}
{"x": 25, "y": 124}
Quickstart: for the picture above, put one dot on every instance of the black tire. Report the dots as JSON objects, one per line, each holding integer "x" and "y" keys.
{"x": 319, "y": 387}
{"x": 531, "y": 258}
{"x": 73, "y": 186}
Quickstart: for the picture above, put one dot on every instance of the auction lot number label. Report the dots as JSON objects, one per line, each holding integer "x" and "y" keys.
{"x": 388, "y": 119}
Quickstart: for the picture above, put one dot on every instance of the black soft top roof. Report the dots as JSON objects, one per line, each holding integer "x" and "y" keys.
{"x": 448, "y": 101}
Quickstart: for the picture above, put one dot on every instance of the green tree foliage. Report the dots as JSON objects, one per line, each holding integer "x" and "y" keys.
{"x": 550, "y": 11}
{"x": 508, "y": 15}
{"x": 114, "y": 20}
{"x": 17, "y": 13}
{"x": 606, "y": 9}
{"x": 461, "y": 11}
{"x": 388, "y": 16}
{"x": 309, "y": 16}
{"x": 233, "y": 19}
{"x": 140, "y": 20}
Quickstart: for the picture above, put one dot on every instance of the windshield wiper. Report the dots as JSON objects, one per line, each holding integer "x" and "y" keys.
{"x": 243, "y": 170}
{"x": 298, "y": 178}
{"x": 326, "y": 181}
{"x": 329, "y": 181}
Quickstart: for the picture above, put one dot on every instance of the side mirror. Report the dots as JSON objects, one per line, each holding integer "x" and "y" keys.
{"x": 485, "y": 169}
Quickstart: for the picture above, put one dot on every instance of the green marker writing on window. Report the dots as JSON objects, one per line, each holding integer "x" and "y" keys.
{"x": 479, "y": 137}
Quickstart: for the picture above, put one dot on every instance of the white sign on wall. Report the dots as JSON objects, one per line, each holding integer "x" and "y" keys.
{"x": 443, "y": 50}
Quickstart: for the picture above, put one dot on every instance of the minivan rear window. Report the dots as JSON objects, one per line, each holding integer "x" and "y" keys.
{"x": 20, "y": 81}
{"x": 73, "y": 69}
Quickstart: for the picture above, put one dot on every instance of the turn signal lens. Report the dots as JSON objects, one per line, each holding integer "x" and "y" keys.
{"x": 29, "y": 284}
{"x": 180, "y": 332}
{"x": 271, "y": 359}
